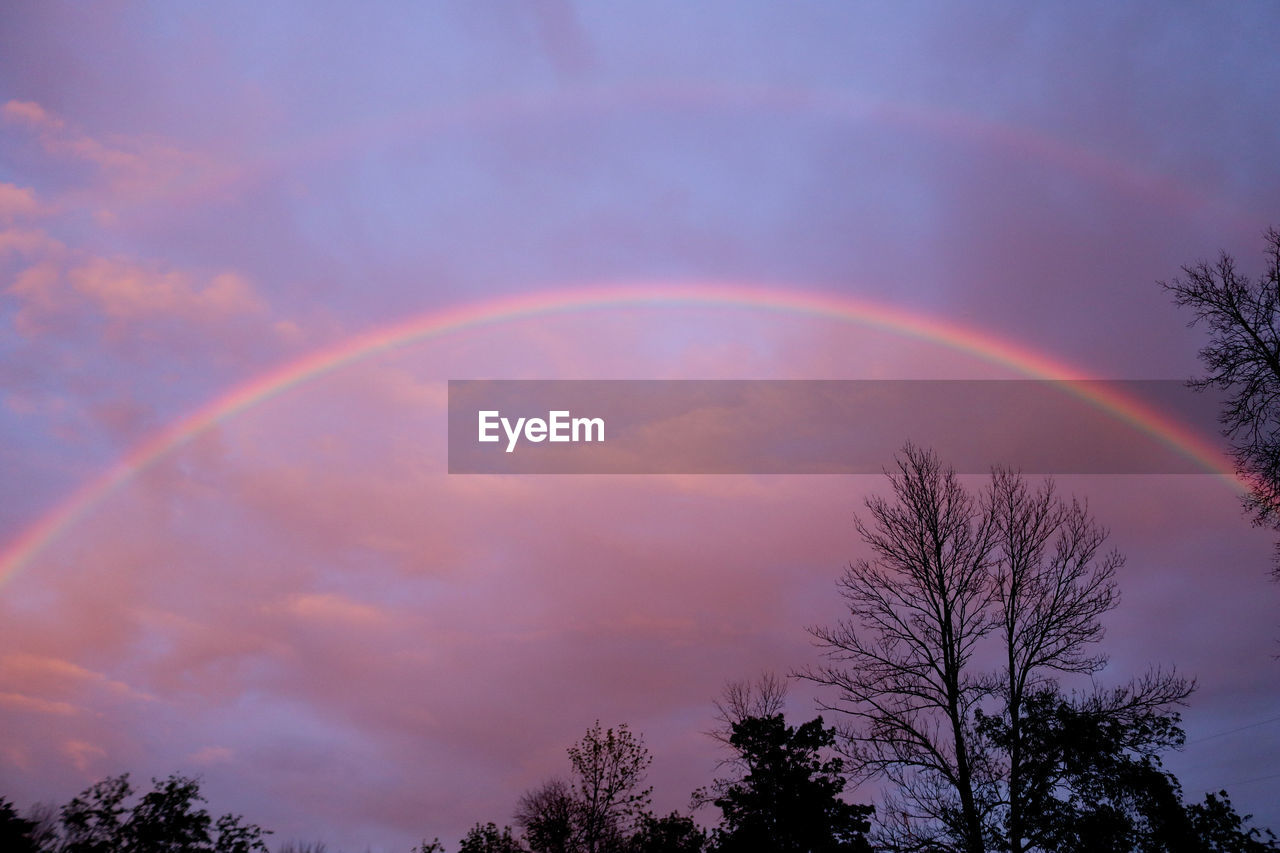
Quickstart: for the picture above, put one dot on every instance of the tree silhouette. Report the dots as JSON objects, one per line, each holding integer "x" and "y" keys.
{"x": 745, "y": 698}
{"x": 901, "y": 663}
{"x": 603, "y": 804}
{"x": 738, "y": 702}
{"x": 92, "y": 821}
{"x": 609, "y": 771}
{"x": 167, "y": 819}
{"x": 1222, "y": 830}
{"x": 17, "y": 834}
{"x": 489, "y": 839}
{"x": 1016, "y": 569}
{"x": 674, "y": 833}
{"x": 1092, "y": 780}
{"x": 1242, "y": 358}
{"x": 788, "y": 800}
{"x": 1053, "y": 582}
{"x": 549, "y": 817}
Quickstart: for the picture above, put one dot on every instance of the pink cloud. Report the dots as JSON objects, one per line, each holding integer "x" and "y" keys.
{"x": 18, "y": 202}
{"x": 82, "y": 754}
{"x": 124, "y": 290}
{"x": 41, "y": 297}
{"x": 212, "y": 755}
{"x": 30, "y": 113}
{"x": 21, "y": 702}
{"x": 305, "y": 587}
{"x": 66, "y": 289}
{"x": 336, "y": 610}
{"x": 135, "y": 166}
{"x": 25, "y": 242}
{"x": 63, "y": 677}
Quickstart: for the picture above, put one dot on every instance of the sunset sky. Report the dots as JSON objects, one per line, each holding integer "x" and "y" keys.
{"x": 243, "y": 249}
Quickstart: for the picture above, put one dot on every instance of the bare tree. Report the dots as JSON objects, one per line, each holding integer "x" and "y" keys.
{"x": 603, "y": 803}
{"x": 609, "y": 773}
{"x": 1243, "y": 358}
{"x": 901, "y": 664}
{"x": 1018, "y": 571}
{"x": 739, "y": 700}
{"x": 1051, "y": 588}
{"x": 549, "y": 816}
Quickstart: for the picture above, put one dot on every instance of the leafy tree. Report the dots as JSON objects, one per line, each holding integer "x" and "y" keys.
{"x": 46, "y": 827}
{"x": 788, "y": 800}
{"x": 233, "y": 835}
{"x": 1222, "y": 830}
{"x": 1243, "y": 359}
{"x": 167, "y": 819}
{"x": 91, "y": 821}
{"x": 489, "y": 839}
{"x": 1093, "y": 780}
{"x": 433, "y": 846}
{"x": 674, "y": 833}
{"x": 16, "y": 833}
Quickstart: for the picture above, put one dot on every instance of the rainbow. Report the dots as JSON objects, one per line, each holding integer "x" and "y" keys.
{"x": 20, "y": 552}
{"x": 499, "y": 111}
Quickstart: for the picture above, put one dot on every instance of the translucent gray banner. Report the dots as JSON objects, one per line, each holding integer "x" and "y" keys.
{"x": 830, "y": 427}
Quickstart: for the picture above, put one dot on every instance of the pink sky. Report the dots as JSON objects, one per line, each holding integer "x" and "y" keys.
{"x": 347, "y": 643}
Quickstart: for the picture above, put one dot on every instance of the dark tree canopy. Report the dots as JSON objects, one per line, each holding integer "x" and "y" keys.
{"x": 1091, "y": 777}
{"x": 17, "y": 834}
{"x": 549, "y": 816}
{"x": 167, "y": 819}
{"x": 1093, "y": 780}
{"x": 1221, "y": 829}
{"x": 788, "y": 800}
{"x": 489, "y": 839}
{"x": 674, "y": 833}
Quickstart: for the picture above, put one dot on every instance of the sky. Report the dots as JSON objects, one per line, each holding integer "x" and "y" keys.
{"x": 231, "y": 545}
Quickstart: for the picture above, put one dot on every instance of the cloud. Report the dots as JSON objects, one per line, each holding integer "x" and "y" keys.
{"x": 319, "y": 591}
{"x": 21, "y": 702}
{"x": 123, "y": 290}
{"x": 18, "y": 203}
{"x": 82, "y": 754}
{"x": 31, "y": 114}
{"x": 27, "y": 243}
{"x": 333, "y": 609}
{"x": 135, "y": 166}
{"x": 69, "y": 289}
{"x": 347, "y": 640}
{"x": 64, "y": 677}
{"x": 212, "y": 755}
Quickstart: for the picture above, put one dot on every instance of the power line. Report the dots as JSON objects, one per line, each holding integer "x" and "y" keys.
{"x": 1248, "y": 781}
{"x": 1233, "y": 731}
